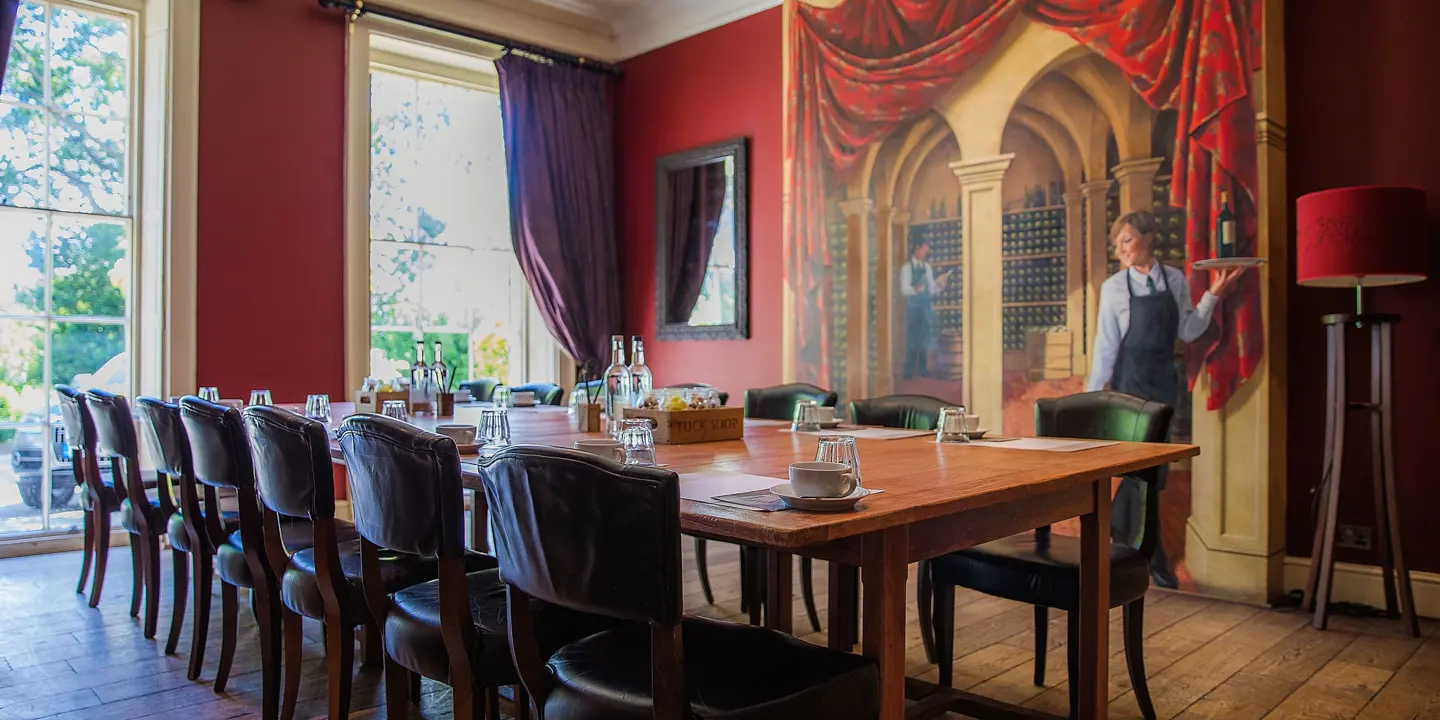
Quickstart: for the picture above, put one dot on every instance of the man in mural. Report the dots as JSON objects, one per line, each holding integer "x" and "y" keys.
{"x": 919, "y": 285}
{"x": 1144, "y": 309}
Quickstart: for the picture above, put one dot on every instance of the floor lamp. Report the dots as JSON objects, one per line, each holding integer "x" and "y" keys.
{"x": 1360, "y": 237}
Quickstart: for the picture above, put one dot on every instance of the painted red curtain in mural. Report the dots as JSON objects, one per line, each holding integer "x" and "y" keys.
{"x": 865, "y": 67}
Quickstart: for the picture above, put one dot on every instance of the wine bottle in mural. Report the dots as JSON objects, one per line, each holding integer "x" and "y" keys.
{"x": 1225, "y": 225}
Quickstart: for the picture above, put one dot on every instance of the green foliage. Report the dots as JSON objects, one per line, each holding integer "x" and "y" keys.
{"x": 491, "y": 357}
{"x": 5, "y": 414}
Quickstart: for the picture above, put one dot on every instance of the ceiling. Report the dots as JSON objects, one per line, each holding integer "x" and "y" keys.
{"x": 635, "y": 27}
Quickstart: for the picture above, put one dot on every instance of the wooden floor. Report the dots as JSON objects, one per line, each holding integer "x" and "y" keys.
{"x": 1206, "y": 659}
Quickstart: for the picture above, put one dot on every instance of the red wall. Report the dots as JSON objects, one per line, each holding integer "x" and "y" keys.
{"x": 716, "y": 86}
{"x": 271, "y": 191}
{"x": 1362, "y": 110}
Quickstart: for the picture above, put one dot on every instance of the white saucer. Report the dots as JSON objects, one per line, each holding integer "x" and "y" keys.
{"x": 787, "y": 495}
{"x": 530, "y": 404}
{"x": 975, "y": 434}
{"x": 1231, "y": 262}
{"x": 830, "y": 424}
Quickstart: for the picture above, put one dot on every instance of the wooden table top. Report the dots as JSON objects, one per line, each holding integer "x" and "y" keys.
{"x": 922, "y": 479}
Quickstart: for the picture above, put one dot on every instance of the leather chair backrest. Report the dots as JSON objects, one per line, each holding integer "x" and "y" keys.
{"x": 778, "y": 402}
{"x": 291, "y": 457}
{"x": 724, "y": 396}
{"x": 218, "y": 446}
{"x": 165, "y": 436}
{"x": 912, "y": 412}
{"x": 587, "y": 533}
{"x": 481, "y": 389}
{"x": 114, "y": 425}
{"x": 405, "y": 489}
{"x": 545, "y": 393}
{"x": 75, "y": 416}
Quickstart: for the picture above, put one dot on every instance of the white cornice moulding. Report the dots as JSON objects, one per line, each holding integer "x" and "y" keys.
{"x": 652, "y": 24}
{"x": 526, "y": 21}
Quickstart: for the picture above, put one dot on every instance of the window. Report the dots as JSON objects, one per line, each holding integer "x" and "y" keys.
{"x": 716, "y": 305}
{"x": 441, "y": 263}
{"x": 66, "y": 232}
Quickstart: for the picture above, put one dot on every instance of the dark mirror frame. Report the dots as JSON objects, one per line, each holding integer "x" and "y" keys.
{"x": 740, "y": 330}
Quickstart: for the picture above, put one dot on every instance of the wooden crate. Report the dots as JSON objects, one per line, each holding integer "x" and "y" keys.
{"x": 1048, "y": 355}
{"x": 693, "y": 426}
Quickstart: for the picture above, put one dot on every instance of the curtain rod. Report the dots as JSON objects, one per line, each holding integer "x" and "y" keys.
{"x": 359, "y": 8}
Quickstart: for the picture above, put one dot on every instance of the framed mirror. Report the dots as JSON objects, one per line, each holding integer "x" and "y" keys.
{"x": 701, "y": 245}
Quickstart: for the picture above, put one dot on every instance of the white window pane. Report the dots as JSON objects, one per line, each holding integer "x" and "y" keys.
{"x": 390, "y": 353}
{"x": 22, "y": 264}
{"x": 87, "y": 165}
{"x": 395, "y": 293}
{"x": 91, "y": 268}
{"x": 453, "y": 289}
{"x": 89, "y": 63}
{"x": 22, "y": 156}
{"x": 89, "y": 356}
{"x": 25, "y": 73}
{"x": 392, "y": 161}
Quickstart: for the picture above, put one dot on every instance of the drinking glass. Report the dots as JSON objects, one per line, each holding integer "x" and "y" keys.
{"x": 317, "y": 407}
{"x": 501, "y": 396}
{"x": 494, "y": 427}
{"x": 950, "y": 426}
{"x": 807, "y": 417}
{"x": 395, "y": 409}
{"x": 639, "y": 442}
{"x": 840, "y": 449}
{"x": 261, "y": 397}
{"x": 210, "y": 394}
{"x": 712, "y": 398}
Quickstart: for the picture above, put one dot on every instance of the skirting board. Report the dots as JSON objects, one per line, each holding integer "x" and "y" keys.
{"x": 1362, "y": 584}
{"x": 69, "y": 542}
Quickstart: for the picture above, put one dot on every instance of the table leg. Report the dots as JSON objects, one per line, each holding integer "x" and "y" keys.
{"x": 1094, "y": 657}
{"x": 844, "y": 596}
{"x": 779, "y": 592}
{"x": 883, "y": 568}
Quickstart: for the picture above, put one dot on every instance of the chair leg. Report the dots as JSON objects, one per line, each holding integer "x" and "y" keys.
{"x": 267, "y": 616}
{"x": 293, "y": 643}
{"x": 86, "y": 559}
{"x": 522, "y": 703}
{"x": 203, "y": 580}
{"x": 151, "y": 559}
{"x": 924, "y": 599}
{"x": 754, "y": 570}
{"x": 1134, "y": 621}
{"x": 745, "y": 590}
{"x": 102, "y": 554}
{"x": 137, "y": 574}
{"x": 807, "y": 591}
{"x": 1042, "y": 643}
{"x": 179, "y": 579}
{"x": 1072, "y": 657}
{"x": 397, "y": 690}
{"x": 702, "y": 567}
{"x": 415, "y": 685}
{"x": 229, "y": 620}
{"x": 492, "y": 703}
{"x": 340, "y": 664}
{"x": 372, "y": 646}
{"x": 945, "y": 632}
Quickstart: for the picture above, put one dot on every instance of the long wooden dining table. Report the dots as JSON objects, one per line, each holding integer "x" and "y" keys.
{"x": 938, "y": 498}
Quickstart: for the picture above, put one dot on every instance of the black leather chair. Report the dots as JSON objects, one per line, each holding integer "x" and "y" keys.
{"x": 97, "y": 498}
{"x": 144, "y": 514}
{"x": 482, "y": 389}
{"x": 911, "y": 412}
{"x": 220, "y": 456}
{"x": 1044, "y": 569}
{"x": 724, "y": 396}
{"x": 586, "y": 533}
{"x": 194, "y": 533}
{"x": 545, "y": 393}
{"x": 407, "y": 499}
{"x": 778, "y": 402}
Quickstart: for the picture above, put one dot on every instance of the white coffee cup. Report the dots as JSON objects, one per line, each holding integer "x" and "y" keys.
{"x": 972, "y": 423}
{"x": 522, "y": 398}
{"x": 613, "y": 449}
{"x": 462, "y": 434}
{"x": 822, "y": 479}
{"x": 825, "y": 414}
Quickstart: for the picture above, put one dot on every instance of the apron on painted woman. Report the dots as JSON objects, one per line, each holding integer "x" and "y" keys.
{"x": 919, "y": 324}
{"x": 1145, "y": 368}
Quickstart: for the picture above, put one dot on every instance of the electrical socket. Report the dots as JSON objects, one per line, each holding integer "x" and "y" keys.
{"x": 1356, "y": 537}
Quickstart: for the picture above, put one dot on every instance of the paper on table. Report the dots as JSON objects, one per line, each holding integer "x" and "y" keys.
{"x": 1048, "y": 444}
{"x": 765, "y": 422}
{"x": 867, "y": 433}
{"x": 704, "y": 486}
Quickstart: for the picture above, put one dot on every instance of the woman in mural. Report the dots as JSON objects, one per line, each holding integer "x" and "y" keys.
{"x": 1144, "y": 309}
{"x": 919, "y": 285}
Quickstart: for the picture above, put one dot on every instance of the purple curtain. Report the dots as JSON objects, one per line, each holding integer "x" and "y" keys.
{"x": 560, "y": 159}
{"x": 8, "y": 9}
{"x": 697, "y": 195}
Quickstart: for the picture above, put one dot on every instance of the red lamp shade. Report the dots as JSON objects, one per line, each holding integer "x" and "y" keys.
{"x": 1365, "y": 236}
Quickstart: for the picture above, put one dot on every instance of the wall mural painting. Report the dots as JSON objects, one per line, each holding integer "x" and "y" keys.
{"x": 968, "y": 178}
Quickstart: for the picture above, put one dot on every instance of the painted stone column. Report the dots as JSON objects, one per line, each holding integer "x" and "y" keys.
{"x": 857, "y": 294}
{"x": 1096, "y": 253}
{"x": 983, "y": 269}
{"x": 1075, "y": 311}
{"x": 887, "y": 229}
{"x": 1137, "y": 178}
